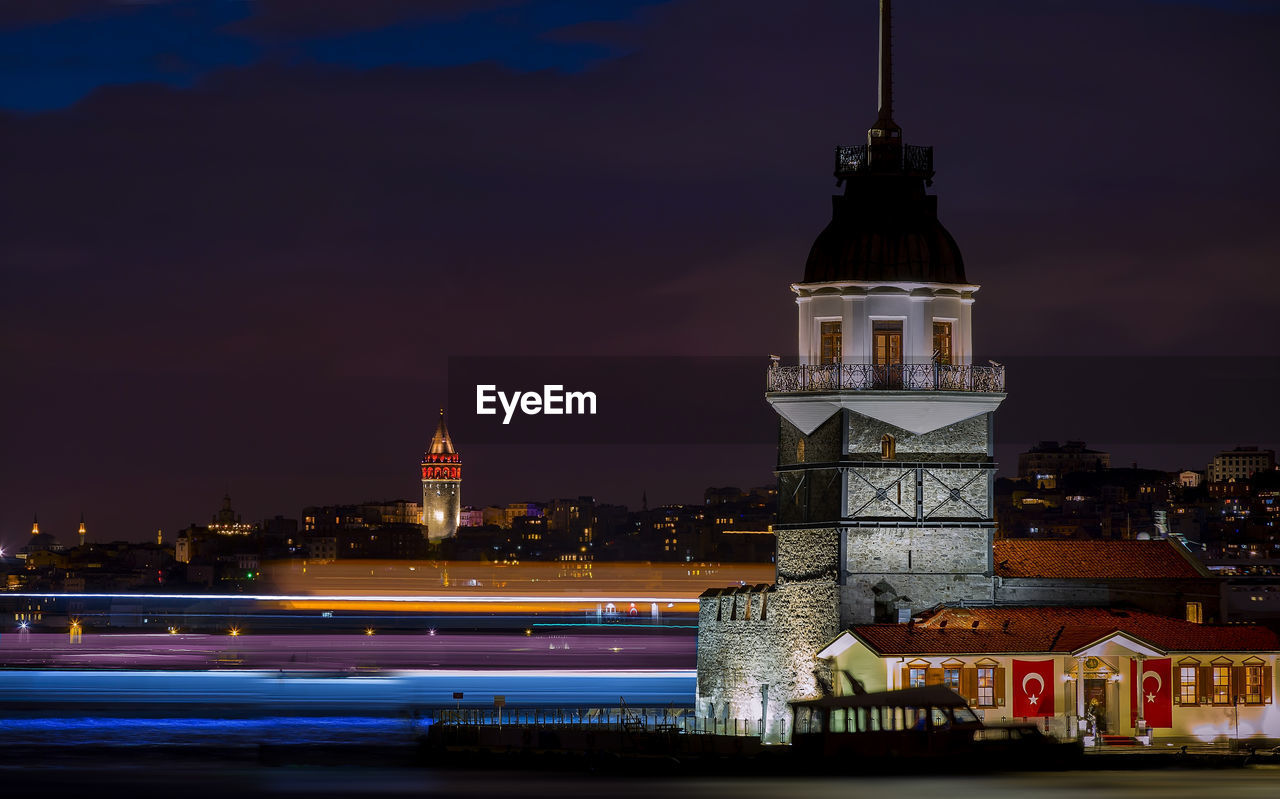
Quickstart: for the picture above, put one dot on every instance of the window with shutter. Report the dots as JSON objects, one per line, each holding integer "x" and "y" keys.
{"x": 1000, "y": 687}
{"x": 951, "y": 679}
{"x": 986, "y": 687}
{"x": 915, "y": 677}
{"x": 1252, "y": 685}
{"x": 969, "y": 685}
{"x": 1221, "y": 685}
{"x": 1206, "y": 684}
{"x": 1187, "y": 686}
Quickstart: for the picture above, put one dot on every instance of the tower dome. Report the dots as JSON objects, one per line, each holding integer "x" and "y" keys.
{"x": 885, "y": 227}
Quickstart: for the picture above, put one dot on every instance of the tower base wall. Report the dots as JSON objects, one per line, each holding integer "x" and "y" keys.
{"x": 750, "y": 668}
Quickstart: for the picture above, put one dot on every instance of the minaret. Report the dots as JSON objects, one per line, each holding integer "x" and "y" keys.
{"x": 35, "y": 524}
{"x": 81, "y": 532}
{"x": 885, "y": 452}
{"x": 441, "y": 485}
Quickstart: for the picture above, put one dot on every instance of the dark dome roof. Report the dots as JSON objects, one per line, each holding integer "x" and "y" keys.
{"x": 885, "y": 228}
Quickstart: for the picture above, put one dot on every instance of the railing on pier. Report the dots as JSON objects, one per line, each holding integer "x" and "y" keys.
{"x": 623, "y": 718}
{"x": 886, "y": 377}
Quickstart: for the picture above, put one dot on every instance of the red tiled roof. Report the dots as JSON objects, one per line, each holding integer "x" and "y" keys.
{"x": 1136, "y": 560}
{"x": 951, "y": 631}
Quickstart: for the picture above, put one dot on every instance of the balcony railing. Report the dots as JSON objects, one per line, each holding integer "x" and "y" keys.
{"x": 913, "y": 160}
{"x": 890, "y": 377}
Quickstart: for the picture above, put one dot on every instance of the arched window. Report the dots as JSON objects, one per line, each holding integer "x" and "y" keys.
{"x": 888, "y": 447}
{"x": 800, "y": 451}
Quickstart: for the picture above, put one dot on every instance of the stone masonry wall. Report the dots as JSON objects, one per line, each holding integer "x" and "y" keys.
{"x": 869, "y": 599}
{"x": 887, "y": 568}
{"x": 737, "y": 657}
{"x": 962, "y": 441}
{"x": 777, "y": 644}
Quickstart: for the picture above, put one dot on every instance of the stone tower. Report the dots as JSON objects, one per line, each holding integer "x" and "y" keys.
{"x": 885, "y": 468}
{"x": 441, "y": 485}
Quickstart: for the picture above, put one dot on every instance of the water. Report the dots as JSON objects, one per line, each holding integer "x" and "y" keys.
{"x": 198, "y": 780}
{"x": 231, "y": 708}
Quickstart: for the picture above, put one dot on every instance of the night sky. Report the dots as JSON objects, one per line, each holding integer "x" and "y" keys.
{"x": 241, "y": 239}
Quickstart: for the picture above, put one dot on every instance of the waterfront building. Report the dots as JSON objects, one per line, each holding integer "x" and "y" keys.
{"x": 441, "y": 485}
{"x": 1068, "y": 667}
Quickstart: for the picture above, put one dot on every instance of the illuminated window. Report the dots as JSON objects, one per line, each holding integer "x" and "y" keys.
{"x": 831, "y": 352}
{"x": 1195, "y": 612}
{"x": 986, "y": 687}
{"x": 800, "y": 451}
{"x": 886, "y": 348}
{"x": 1187, "y": 685}
{"x": 1253, "y": 685}
{"x": 942, "y": 343}
{"x": 888, "y": 447}
{"x": 1222, "y": 685}
{"x": 917, "y": 678}
{"x": 951, "y": 678}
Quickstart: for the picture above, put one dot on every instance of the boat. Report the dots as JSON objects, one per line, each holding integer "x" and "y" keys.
{"x": 930, "y": 727}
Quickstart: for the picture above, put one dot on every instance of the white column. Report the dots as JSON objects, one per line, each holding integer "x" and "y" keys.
{"x": 965, "y": 333}
{"x": 805, "y": 346}
{"x": 919, "y": 343}
{"x": 850, "y": 332}
{"x": 1137, "y": 690}
{"x": 1079, "y": 694}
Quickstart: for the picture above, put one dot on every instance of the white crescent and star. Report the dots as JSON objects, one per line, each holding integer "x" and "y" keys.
{"x": 1033, "y": 698}
{"x": 1151, "y": 698}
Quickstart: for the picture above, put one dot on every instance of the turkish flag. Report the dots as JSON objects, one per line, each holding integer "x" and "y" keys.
{"x": 1156, "y": 692}
{"x": 1033, "y": 688}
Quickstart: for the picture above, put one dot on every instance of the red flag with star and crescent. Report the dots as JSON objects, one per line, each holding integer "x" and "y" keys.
{"x": 1156, "y": 690}
{"x": 1032, "y": 688}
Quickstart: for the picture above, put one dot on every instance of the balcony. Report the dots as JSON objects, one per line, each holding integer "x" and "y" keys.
{"x": 892, "y": 377}
{"x": 911, "y": 160}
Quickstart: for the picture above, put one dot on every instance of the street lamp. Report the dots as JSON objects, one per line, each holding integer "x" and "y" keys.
{"x": 233, "y": 632}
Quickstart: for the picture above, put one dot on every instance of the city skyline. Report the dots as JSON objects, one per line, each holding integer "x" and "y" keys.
{"x": 214, "y": 280}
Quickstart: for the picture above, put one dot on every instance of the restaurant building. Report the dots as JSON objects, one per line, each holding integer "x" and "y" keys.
{"x": 1127, "y": 671}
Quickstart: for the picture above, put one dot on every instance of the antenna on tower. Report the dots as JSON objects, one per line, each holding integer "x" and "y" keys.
{"x": 884, "y": 140}
{"x": 885, "y": 115}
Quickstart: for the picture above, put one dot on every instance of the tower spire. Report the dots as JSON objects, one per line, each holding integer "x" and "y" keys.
{"x": 82, "y": 531}
{"x": 441, "y": 444}
{"x": 885, "y": 117}
{"x": 884, "y": 140}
